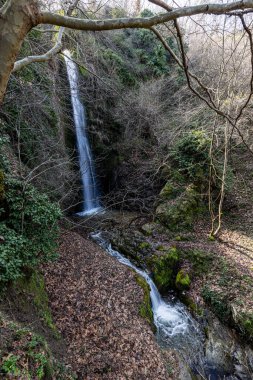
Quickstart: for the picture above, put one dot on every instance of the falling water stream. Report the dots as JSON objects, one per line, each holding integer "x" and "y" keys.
{"x": 91, "y": 203}
{"x": 176, "y": 328}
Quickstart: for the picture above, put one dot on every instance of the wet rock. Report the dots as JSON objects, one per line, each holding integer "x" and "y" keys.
{"x": 225, "y": 354}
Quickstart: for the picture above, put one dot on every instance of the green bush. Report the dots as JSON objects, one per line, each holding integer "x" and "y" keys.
{"x": 191, "y": 155}
{"x": 28, "y": 229}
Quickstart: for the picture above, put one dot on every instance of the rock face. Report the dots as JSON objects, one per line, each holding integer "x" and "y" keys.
{"x": 96, "y": 306}
{"x": 179, "y": 206}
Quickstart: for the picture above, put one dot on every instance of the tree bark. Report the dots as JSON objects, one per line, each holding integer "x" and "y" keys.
{"x": 17, "y": 17}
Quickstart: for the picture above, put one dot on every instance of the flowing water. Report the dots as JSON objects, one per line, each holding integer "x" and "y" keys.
{"x": 91, "y": 203}
{"x": 176, "y": 328}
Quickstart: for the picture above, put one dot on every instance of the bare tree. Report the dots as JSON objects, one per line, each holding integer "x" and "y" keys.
{"x": 17, "y": 18}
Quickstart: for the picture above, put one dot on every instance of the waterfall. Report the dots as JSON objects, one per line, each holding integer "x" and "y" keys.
{"x": 175, "y": 326}
{"x": 91, "y": 203}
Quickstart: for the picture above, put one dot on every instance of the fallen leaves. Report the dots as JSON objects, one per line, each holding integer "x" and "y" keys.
{"x": 95, "y": 302}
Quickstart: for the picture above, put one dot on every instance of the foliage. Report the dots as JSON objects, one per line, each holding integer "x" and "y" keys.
{"x": 151, "y": 53}
{"x": 28, "y": 224}
{"x": 191, "y": 155}
{"x": 117, "y": 12}
{"x": 28, "y": 227}
{"x": 25, "y": 355}
{"x": 246, "y": 324}
{"x": 125, "y": 75}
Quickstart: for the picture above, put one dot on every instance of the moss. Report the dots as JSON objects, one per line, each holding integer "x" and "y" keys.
{"x": 218, "y": 304}
{"x": 161, "y": 248}
{"x": 144, "y": 245}
{"x": 201, "y": 261}
{"x": 194, "y": 308}
{"x": 182, "y": 280}
{"x": 145, "y": 309}
{"x": 34, "y": 285}
{"x": 148, "y": 228}
{"x": 246, "y": 325}
{"x": 164, "y": 269}
{"x": 168, "y": 191}
{"x": 181, "y": 211}
{"x": 26, "y": 355}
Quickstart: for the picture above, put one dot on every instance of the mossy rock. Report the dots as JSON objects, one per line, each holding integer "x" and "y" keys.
{"x": 218, "y": 303}
{"x": 164, "y": 269}
{"x": 245, "y": 322}
{"x": 183, "y": 280}
{"x": 145, "y": 309}
{"x": 148, "y": 228}
{"x": 195, "y": 309}
{"x": 170, "y": 191}
{"x": 201, "y": 261}
{"x": 181, "y": 211}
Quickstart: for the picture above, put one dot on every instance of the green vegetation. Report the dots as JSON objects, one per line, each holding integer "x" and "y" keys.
{"x": 29, "y": 229}
{"x": 191, "y": 156}
{"x": 180, "y": 199}
{"x": 246, "y": 324}
{"x": 201, "y": 261}
{"x": 32, "y": 288}
{"x": 28, "y": 226}
{"x": 180, "y": 212}
{"x": 182, "y": 280}
{"x": 164, "y": 269}
{"x": 218, "y": 304}
{"x": 145, "y": 308}
{"x": 144, "y": 245}
{"x": 26, "y": 355}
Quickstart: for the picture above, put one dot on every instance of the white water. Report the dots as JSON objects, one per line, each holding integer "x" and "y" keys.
{"x": 89, "y": 186}
{"x": 175, "y": 326}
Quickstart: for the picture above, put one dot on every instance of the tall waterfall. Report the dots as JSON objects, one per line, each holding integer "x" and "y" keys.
{"x": 91, "y": 203}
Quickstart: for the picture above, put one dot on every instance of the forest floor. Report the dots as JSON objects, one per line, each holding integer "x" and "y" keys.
{"x": 95, "y": 302}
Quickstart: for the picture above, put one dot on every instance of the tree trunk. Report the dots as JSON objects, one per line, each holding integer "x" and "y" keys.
{"x": 17, "y": 17}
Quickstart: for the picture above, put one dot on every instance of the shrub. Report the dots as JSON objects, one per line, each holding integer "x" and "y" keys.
{"x": 28, "y": 229}
{"x": 191, "y": 155}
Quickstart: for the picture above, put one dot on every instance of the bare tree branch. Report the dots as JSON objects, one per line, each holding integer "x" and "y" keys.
{"x": 50, "y": 53}
{"x": 143, "y": 22}
{"x": 41, "y": 58}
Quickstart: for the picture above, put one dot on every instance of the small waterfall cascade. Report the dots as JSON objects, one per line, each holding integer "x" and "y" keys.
{"x": 175, "y": 326}
{"x": 178, "y": 330}
{"x": 91, "y": 203}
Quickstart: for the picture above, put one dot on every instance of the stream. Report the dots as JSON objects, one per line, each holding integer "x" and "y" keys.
{"x": 218, "y": 357}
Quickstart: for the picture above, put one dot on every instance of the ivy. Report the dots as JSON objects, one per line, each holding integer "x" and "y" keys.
{"x": 28, "y": 224}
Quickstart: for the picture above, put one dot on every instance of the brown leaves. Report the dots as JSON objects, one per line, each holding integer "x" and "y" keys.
{"x": 95, "y": 302}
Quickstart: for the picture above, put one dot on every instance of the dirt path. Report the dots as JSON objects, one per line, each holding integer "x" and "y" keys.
{"x": 95, "y": 303}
